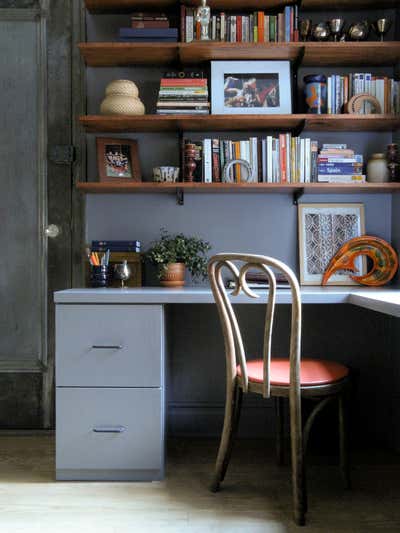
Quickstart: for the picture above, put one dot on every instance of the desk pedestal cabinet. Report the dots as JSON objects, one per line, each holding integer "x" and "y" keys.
{"x": 109, "y": 392}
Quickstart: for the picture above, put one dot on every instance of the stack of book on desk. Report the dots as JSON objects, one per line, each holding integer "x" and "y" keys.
{"x": 183, "y": 95}
{"x": 258, "y": 280}
{"x": 116, "y": 246}
{"x": 148, "y": 27}
{"x": 339, "y": 164}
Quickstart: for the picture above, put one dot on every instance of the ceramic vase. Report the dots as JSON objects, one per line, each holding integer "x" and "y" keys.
{"x": 377, "y": 170}
{"x": 122, "y": 98}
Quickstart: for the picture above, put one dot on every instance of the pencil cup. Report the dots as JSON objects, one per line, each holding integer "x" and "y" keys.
{"x": 100, "y": 276}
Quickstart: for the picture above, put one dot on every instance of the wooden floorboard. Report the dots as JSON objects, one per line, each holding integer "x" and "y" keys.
{"x": 255, "y": 495}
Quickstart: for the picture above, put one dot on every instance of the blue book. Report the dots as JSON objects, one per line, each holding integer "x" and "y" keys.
{"x": 287, "y": 23}
{"x": 146, "y": 33}
{"x": 148, "y": 40}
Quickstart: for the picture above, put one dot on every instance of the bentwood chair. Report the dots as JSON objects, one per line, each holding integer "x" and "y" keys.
{"x": 290, "y": 377}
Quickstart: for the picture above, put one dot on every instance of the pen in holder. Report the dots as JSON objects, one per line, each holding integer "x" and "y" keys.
{"x": 100, "y": 276}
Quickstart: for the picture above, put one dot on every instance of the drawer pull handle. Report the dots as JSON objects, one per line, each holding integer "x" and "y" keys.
{"x": 106, "y": 347}
{"x": 109, "y": 429}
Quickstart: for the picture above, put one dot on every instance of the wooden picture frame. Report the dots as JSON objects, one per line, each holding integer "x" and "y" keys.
{"x": 251, "y": 87}
{"x": 323, "y": 229}
{"x": 118, "y": 160}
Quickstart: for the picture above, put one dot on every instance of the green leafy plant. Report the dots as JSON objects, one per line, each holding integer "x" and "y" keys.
{"x": 180, "y": 249}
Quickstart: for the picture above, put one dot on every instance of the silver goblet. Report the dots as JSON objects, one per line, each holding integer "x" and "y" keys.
{"x": 336, "y": 26}
{"x": 359, "y": 31}
{"x": 122, "y": 271}
{"x": 381, "y": 27}
{"x": 321, "y": 32}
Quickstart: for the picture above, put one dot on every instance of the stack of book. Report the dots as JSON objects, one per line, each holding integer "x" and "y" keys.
{"x": 283, "y": 159}
{"x": 339, "y": 164}
{"x": 116, "y": 246}
{"x": 258, "y": 280}
{"x": 180, "y": 95}
{"x": 148, "y": 27}
{"x": 341, "y": 88}
{"x": 257, "y": 27}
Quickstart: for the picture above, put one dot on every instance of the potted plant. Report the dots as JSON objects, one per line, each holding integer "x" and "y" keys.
{"x": 172, "y": 254}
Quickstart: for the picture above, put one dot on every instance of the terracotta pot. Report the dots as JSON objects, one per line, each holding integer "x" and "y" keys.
{"x": 174, "y": 276}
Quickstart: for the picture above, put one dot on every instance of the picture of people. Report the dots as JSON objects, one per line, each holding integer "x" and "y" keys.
{"x": 251, "y": 90}
{"x": 117, "y": 161}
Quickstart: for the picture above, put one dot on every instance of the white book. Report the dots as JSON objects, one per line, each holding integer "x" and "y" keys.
{"x": 254, "y": 157}
{"x": 189, "y": 28}
{"x": 380, "y": 93}
{"x": 207, "y": 161}
{"x": 223, "y": 26}
{"x": 344, "y": 178}
{"x": 302, "y": 159}
{"x": 368, "y": 89}
{"x": 307, "y": 160}
{"x": 269, "y": 160}
{"x": 329, "y": 95}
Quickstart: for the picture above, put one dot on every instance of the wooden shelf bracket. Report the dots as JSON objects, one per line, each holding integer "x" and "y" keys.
{"x": 180, "y": 196}
{"x": 297, "y": 195}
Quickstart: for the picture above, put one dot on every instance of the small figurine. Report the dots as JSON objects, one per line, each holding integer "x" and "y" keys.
{"x": 203, "y": 14}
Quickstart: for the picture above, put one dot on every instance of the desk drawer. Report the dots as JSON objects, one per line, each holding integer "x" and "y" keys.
{"x": 109, "y": 345}
{"x": 114, "y": 434}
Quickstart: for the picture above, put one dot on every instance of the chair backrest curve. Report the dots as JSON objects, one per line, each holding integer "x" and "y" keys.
{"x": 239, "y": 265}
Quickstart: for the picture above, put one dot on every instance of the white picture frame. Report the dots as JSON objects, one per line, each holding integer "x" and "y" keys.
{"x": 251, "y": 87}
{"x": 323, "y": 229}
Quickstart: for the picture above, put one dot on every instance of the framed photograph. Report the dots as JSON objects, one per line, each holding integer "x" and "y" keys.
{"x": 251, "y": 87}
{"x": 323, "y": 229}
{"x": 117, "y": 159}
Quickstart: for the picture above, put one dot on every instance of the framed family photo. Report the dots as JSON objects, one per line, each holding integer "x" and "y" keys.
{"x": 323, "y": 229}
{"x": 117, "y": 159}
{"x": 251, "y": 87}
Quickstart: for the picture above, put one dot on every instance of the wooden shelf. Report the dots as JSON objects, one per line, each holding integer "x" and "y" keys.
{"x": 104, "y": 6}
{"x": 162, "y": 123}
{"x": 308, "y": 54}
{"x": 150, "y": 187}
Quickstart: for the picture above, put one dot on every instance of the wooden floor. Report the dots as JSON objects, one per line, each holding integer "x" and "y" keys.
{"x": 255, "y": 497}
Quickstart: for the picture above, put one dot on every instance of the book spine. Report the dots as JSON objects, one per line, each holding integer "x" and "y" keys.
{"x": 223, "y": 26}
{"x": 216, "y": 176}
{"x": 307, "y": 161}
{"x": 282, "y": 157}
{"x": 314, "y": 161}
{"x": 260, "y": 24}
{"x": 207, "y": 161}
{"x": 269, "y": 178}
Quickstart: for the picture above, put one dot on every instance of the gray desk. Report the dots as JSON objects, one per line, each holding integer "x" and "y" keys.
{"x": 110, "y": 387}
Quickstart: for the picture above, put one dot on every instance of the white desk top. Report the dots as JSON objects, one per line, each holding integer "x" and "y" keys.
{"x": 380, "y": 299}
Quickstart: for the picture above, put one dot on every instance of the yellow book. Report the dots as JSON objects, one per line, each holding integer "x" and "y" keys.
{"x": 237, "y": 156}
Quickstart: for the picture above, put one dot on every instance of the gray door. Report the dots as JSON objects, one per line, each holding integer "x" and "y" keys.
{"x": 35, "y": 191}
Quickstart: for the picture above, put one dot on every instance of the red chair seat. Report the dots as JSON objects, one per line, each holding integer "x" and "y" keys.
{"x": 312, "y": 372}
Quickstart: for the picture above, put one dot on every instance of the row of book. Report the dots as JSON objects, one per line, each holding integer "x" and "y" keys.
{"x": 282, "y": 159}
{"x": 341, "y": 88}
{"x": 257, "y": 27}
{"x": 183, "y": 95}
{"x": 148, "y": 27}
{"x": 338, "y": 163}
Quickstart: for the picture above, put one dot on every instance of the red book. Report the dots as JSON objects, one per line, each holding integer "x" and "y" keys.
{"x": 216, "y": 175}
{"x": 239, "y": 29}
{"x": 282, "y": 157}
{"x": 260, "y": 24}
{"x": 183, "y": 82}
{"x": 183, "y": 23}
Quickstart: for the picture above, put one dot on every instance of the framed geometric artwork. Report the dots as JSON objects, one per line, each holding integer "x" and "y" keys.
{"x": 323, "y": 229}
{"x": 117, "y": 159}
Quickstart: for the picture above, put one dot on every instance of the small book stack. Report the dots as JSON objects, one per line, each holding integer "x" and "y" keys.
{"x": 148, "y": 27}
{"x": 258, "y": 280}
{"x": 183, "y": 95}
{"x": 339, "y": 164}
{"x": 116, "y": 246}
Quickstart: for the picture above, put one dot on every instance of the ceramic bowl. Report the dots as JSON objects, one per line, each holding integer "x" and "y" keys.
{"x": 166, "y": 174}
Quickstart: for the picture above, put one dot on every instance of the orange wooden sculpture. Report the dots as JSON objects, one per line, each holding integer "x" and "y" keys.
{"x": 384, "y": 260}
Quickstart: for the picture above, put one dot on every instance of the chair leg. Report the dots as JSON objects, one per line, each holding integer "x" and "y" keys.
{"x": 298, "y": 474}
{"x": 280, "y": 423}
{"x": 232, "y": 415}
{"x": 343, "y": 441}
